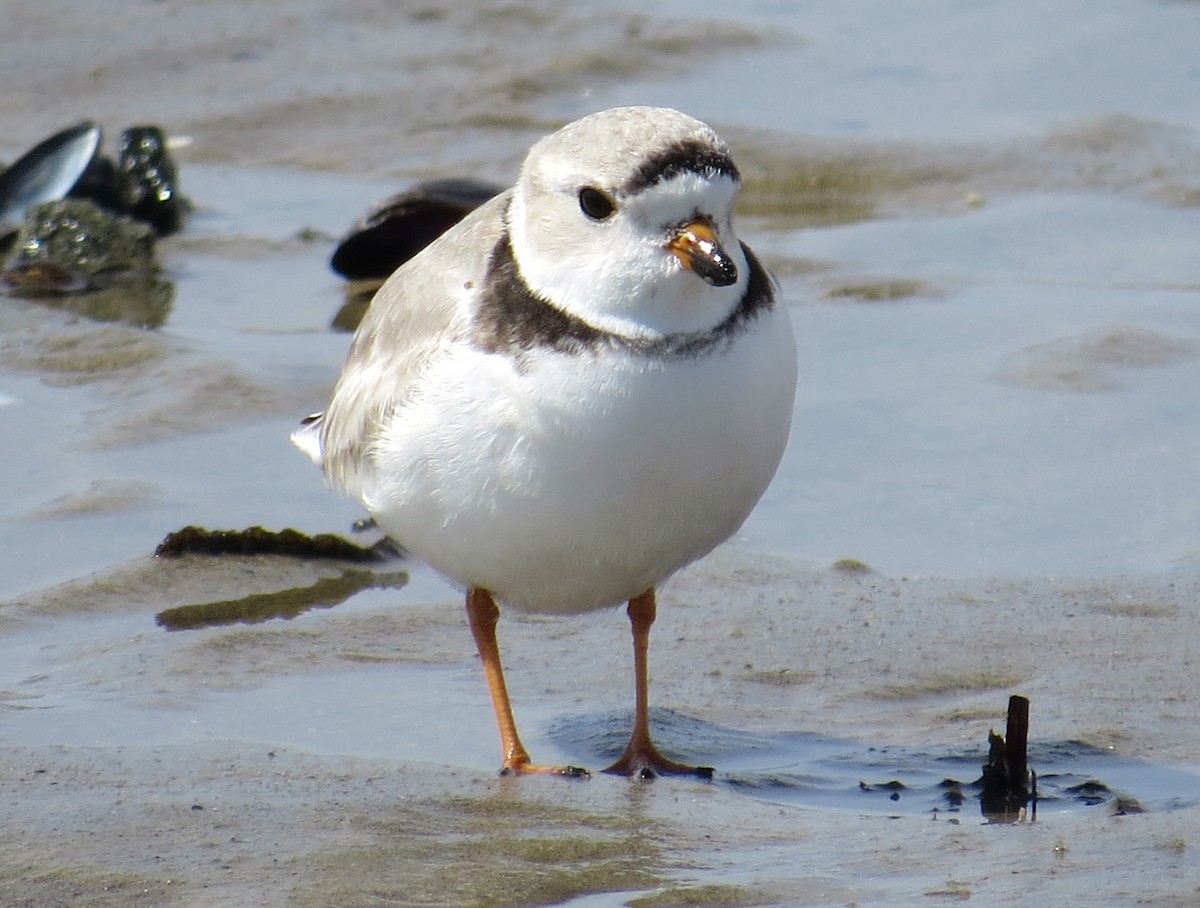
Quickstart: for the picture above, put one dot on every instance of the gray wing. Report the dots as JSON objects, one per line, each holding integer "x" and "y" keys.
{"x": 418, "y": 309}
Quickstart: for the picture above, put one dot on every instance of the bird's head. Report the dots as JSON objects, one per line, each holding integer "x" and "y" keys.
{"x": 624, "y": 219}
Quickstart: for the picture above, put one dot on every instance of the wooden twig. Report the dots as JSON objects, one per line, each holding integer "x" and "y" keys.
{"x": 1008, "y": 785}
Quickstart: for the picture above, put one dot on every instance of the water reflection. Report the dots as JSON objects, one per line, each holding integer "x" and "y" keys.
{"x": 324, "y": 593}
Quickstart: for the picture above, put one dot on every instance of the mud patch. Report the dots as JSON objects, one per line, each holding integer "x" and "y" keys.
{"x": 801, "y": 183}
{"x": 797, "y": 181}
{"x": 879, "y": 291}
{"x": 494, "y": 849}
{"x": 945, "y": 684}
{"x": 74, "y": 353}
{"x": 1101, "y": 360}
{"x": 102, "y": 496}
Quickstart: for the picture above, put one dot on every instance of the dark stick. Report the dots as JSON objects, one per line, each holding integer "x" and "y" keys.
{"x": 1016, "y": 738}
{"x": 1007, "y": 784}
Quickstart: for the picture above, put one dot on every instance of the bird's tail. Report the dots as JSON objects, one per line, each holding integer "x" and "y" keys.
{"x": 308, "y": 437}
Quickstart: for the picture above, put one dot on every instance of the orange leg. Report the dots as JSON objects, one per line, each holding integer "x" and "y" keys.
{"x": 641, "y": 757}
{"x": 483, "y": 614}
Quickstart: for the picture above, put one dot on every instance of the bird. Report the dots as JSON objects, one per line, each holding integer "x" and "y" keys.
{"x": 582, "y": 387}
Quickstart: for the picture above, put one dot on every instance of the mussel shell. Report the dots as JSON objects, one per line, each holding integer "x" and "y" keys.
{"x": 79, "y": 235}
{"x": 99, "y": 184}
{"x": 147, "y": 179}
{"x": 74, "y": 254}
{"x": 398, "y": 228}
{"x": 47, "y": 172}
{"x": 142, "y": 183}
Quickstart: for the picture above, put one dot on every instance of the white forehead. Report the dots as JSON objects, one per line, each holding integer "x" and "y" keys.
{"x": 611, "y": 148}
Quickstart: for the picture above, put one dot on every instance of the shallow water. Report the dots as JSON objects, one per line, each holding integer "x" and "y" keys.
{"x": 984, "y": 217}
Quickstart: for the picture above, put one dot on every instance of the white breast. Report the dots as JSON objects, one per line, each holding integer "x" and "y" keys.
{"x": 571, "y": 482}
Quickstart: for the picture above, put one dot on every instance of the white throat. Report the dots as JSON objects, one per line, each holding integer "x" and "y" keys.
{"x": 617, "y": 275}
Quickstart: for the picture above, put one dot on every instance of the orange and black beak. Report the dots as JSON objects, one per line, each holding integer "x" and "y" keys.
{"x": 695, "y": 245}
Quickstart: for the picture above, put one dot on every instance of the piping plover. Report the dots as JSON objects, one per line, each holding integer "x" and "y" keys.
{"x": 584, "y": 386}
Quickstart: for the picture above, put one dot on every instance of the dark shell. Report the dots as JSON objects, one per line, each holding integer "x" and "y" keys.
{"x": 397, "y": 229}
{"x": 47, "y": 172}
{"x": 99, "y": 184}
{"x": 142, "y": 183}
{"x": 147, "y": 179}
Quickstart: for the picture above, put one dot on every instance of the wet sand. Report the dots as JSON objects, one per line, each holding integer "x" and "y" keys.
{"x": 158, "y": 791}
{"x": 346, "y": 756}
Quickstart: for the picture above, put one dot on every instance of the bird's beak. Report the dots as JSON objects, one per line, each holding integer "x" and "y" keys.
{"x": 695, "y": 245}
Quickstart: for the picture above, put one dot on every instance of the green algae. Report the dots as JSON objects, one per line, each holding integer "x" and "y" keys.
{"x": 852, "y": 566}
{"x": 78, "y": 234}
{"x": 808, "y": 185}
{"x": 1136, "y": 609}
{"x": 966, "y": 682}
{"x": 878, "y": 291}
{"x": 716, "y": 895}
{"x": 72, "y": 254}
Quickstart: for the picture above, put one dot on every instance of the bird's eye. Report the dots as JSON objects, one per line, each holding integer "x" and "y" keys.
{"x": 595, "y": 204}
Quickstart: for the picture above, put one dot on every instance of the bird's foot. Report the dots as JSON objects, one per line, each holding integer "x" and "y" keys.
{"x": 525, "y": 768}
{"x": 644, "y": 761}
